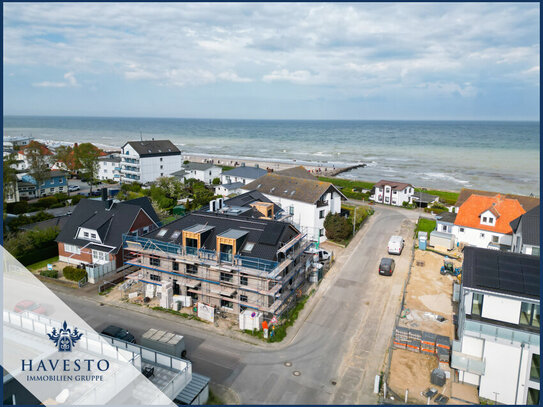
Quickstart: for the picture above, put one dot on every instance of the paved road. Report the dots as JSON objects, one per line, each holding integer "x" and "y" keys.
{"x": 340, "y": 343}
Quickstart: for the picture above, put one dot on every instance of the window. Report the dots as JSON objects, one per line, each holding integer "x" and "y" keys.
{"x": 61, "y": 189}
{"x": 161, "y": 167}
{"x": 394, "y": 192}
{"x": 160, "y": 158}
{"x": 162, "y": 232}
{"x": 291, "y": 210}
{"x": 535, "y": 251}
{"x": 248, "y": 247}
{"x": 99, "y": 256}
{"x": 495, "y": 239}
{"x": 161, "y": 174}
{"x": 533, "y": 396}
{"x": 529, "y": 314}
{"x": 192, "y": 269}
{"x": 60, "y": 181}
{"x": 226, "y": 277}
{"x": 321, "y": 232}
{"x": 462, "y": 230}
{"x": 534, "y": 369}
{"x": 490, "y": 220}
{"x": 243, "y": 298}
{"x": 484, "y": 219}
{"x": 86, "y": 234}
{"x": 145, "y": 229}
{"x": 70, "y": 248}
{"x": 154, "y": 261}
{"x": 243, "y": 280}
{"x": 482, "y": 235}
{"x": 227, "y": 304}
{"x": 154, "y": 277}
{"x": 51, "y": 189}
{"x": 321, "y": 214}
{"x": 93, "y": 235}
{"x": 477, "y": 304}
{"x": 175, "y": 266}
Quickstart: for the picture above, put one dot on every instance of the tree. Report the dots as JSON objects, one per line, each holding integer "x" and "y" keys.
{"x": 337, "y": 227}
{"x": 37, "y": 156}
{"x": 216, "y": 181}
{"x": 65, "y": 154}
{"x": 87, "y": 155}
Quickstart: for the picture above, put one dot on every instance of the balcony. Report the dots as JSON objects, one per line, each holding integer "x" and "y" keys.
{"x": 130, "y": 161}
{"x": 321, "y": 204}
{"x": 127, "y": 168}
{"x": 466, "y": 363}
{"x": 499, "y": 333}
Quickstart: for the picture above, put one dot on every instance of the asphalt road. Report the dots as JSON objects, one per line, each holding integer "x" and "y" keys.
{"x": 336, "y": 352}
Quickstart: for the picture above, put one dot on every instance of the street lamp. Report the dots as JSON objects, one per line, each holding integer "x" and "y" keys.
{"x": 354, "y": 219}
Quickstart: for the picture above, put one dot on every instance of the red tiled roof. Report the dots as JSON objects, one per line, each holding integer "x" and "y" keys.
{"x": 505, "y": 210}
{"x": 44, "y": 150}
{"x": 527, "y": 202}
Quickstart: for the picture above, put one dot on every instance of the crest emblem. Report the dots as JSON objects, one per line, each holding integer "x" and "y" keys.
{"x": 65, "y": 339}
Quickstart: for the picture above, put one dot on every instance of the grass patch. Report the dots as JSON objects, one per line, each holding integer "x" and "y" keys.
{"x": 226, "y": 167}
{"x": 169, "y": 219}
{"x": 107, "y": 290}
{"x": 214, "y": 400}
{"x": 447, "y": 197}
{"x": 179, "y": 314}
{"x": 41, "y": 264}
{"x": 350, "y": 188}
{"x": 425, "y": 225}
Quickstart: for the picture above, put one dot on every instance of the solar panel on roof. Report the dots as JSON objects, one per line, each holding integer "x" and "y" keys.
{"x": 271, "y": 234}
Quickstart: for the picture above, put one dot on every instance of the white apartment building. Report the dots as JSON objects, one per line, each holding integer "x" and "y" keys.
{"x": 145, "y": 161}
{"x": 498, "y": 348}
{"x": 109, "y": 167}
{"x": 204, "y": 172}
{"x": 392, "y": 193}
{"x": 306, "y": 201}
{"x": 243, "y": 174}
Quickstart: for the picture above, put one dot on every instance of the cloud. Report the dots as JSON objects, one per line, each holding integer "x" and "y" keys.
{"x": 301, "y": 76}
{"x": 70, "y": 81}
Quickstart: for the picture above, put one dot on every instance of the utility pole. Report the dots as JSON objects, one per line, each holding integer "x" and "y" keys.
{"x": 354, "y": 219}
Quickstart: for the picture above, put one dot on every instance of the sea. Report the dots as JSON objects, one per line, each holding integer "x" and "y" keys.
{"x": 449, "y": 155}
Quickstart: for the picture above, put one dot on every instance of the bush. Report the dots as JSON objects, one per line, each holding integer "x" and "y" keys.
{"x": 18, "y": 207}
{"x": 49, "y": 273}
{"x": 26, "y": 220}
{"x": 76, "y": 199}
{"x": 216, "y": 181}
{"x": 73, "y": 274}
{"x": 61, "y": 196}
{"x": 337, "y": 227}
{"x": 33, "y": 245}
{"x": 57, "y": 205}
{"x": 46, "y": 202}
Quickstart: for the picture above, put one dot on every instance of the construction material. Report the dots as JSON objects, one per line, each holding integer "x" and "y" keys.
{"x": 429, "y": 392}
{"x": 438, "y": 377}
{"x": 441, "y": 399}
{"x": 165, "y": 342}
{"x": 251, "y": 320}
{"x": 443, "y": 342}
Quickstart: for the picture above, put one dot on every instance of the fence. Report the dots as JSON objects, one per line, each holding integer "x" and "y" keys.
{"x": 97, "y": 271}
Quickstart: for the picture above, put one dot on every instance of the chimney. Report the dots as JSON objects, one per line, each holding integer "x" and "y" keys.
{"x": 257, "y": 166}
{"x": 243, "y": 164}
{"x": 104, "y": 194}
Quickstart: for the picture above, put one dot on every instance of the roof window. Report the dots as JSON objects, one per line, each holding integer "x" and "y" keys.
{"x": 162, "y": 232}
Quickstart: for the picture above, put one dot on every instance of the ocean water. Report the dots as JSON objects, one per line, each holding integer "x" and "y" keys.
{"x": 499, "y": 156}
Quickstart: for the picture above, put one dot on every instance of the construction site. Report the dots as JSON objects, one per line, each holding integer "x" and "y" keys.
{"x": 419, "y": 369}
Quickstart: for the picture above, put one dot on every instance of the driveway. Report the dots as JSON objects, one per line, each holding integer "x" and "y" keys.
{"x": 334, "y": 350}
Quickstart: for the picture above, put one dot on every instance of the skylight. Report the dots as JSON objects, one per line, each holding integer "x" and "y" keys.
{"x": 162, "y": 232}
{"x": 248, "y": 247}
{"x": 176, "y": 234}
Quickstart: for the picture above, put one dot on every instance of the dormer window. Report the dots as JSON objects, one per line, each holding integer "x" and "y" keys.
{"x": 490, "y": 220}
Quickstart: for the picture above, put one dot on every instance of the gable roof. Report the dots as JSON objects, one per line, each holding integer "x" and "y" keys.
{"x": 154, "y": 148}
{"x": 527, "y": 202}
{"x": 469, "y": 214}
{"x": 297, "y": 189}
{"x": 232, "y": 185}
{"x": 449, "y": 217}
{"x": 393, "y": 184}
{"x": 501, "y": 272}
{"x": 198, "y": 166}
{"x": 246, "y": 199}
{"x": 44, "y": 150}
{"x": 297, "y": 172}
{"x": 267, "y": 235}
{"x": 246, "y": 172}
{"x": 529, "y": 226}
{"x": 58, "y": 221}
{"x": 110, "y": 220}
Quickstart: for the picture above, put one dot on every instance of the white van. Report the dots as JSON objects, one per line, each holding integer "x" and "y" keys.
{"x": 395, "y": 245}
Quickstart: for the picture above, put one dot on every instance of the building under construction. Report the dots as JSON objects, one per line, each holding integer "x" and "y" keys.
{"x": 226, "y": 258}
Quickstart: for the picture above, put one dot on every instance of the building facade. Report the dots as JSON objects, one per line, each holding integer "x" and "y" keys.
{"x": 526, "y": 233}
{"x": 109, "y": 167}
{"x": 243, "y": 174}
{"x": 204, "y": 172}
{"x": 498, "y": 348}
{"x": 229, "y": 262}
{"x": 146, "y": 161}
{"x": 55, "y": 182}
{"x": 392, "y": 193}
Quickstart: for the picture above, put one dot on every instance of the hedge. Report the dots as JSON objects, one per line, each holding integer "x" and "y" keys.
{"x": 42, "y": 253}
{"x": 74, "y": 274}
{"x": 49, "y": 273}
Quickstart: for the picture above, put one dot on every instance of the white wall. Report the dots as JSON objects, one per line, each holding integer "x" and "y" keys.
{"x": 396, "y": 199}
{"x": 206, "y": 176}
{"x": 151, "y": 168}
{"x": 473, "y": 237}
{"x": 106, "y": 170}
{"x": 472, "y": 346}
{"x": 225, "y": 179}
{"x": 501, "y": 309}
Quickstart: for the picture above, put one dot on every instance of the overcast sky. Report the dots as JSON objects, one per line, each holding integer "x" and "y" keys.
{"x": 273, "y": 61}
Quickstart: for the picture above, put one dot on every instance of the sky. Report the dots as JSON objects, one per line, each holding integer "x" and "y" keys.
{"x": 358, "y": 61}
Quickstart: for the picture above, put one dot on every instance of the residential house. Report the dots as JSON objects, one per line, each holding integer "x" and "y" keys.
{"x": 527, "y": 202}
{"x": 243, "y": 174}
{"x": 445, "y": 222}
{"x": 252, "y": 204}
{"x": 204, "y": 172}
{"x": 526, "y": 233}
{"x": 26, "y": 190}
{"x": 109, "y": 167}
{"x": 392, "y": 192}
{"x": 229, "y": 189}
{"x": 55, "y": 182}
{"x": 93, "y": 233}
{"x": 181, "y": 175}
{"x": 484, "y": 221}
{"x": 297, "y": 172}
{"x": 498, "y": 346}
{"x": 13, "y": 142}
{"x": 23, "y": 163}
{"x": 231, "y": 262}
{"x": 423, "y": 199}
{"x": 145, "y": 161}
{"x": 306, "y": 201}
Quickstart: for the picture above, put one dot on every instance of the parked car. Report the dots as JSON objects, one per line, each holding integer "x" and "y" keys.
{"x": 386, "y": 267}
{"x": 395, "y": 245}
{"x": 73, "y": 188}
{"x": 29, "y": 305}
{"x": 119, "y": 333}
{"x": 322, "y": 254}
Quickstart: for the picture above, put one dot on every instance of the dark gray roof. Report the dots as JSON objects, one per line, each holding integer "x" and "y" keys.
{"x": 232, "y": 185}
{"x": 268, "y": 236}
{"x": 297, "y": 189}
{"x": 58, "y": 222}
{"x": 246, "y": 199}
{"x": 152, "y": 148}
{"x": 529, "y": 226}
{"x": 449, "y": 217}
{"x": 501, "y": 272}
{"x": 110, "y": 220}
{"x": 198, "y": 166}
{"x": 193, "y": 389}
{"x": 423, "y": 197}
{"x": 298, "y": 172}
{"x": 179, "y": 173}
{"x": 111, "y": 159}
{"x": 246, "y": 172}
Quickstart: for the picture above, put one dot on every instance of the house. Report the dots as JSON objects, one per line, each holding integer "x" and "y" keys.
{"x": 145, "y": 161}
{"x": 231, "y": 263}
{"x": 306, "y": 201}
{"x": 54, "y": 182}
{"x": 181, "y": 175}
{"x": 527, "y": 202}
{"x": 243, "y": 174}
{"x": 445, "y": 222}
{"x": 484, "y": 221}
{"x": 12, "y": 142}
{"x": 423, "y": 199}
{"x": 204, "y": 172}
{"x": 526, "y": 233}
{"x": 56, "y": 222}
{"x": 22, "y": 154}
{"x": 229, "y": 189}
{"x": 252, "y": 204}
{"x": 93, "y": 233}
{"x": 392, "y": 192}
{"x": 109, "y": 167}
{"x": 498, "y": 346}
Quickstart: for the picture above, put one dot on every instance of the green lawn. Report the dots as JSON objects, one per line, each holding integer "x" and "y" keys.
{"x": 347, "y": 183}
{"x": 169, "y": 219}
{"x": 445, "y": 196}
{"x": 425, "y": 225}
{"x": 41, "y": 264}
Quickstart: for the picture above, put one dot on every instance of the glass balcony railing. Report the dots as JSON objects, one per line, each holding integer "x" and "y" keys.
{"x": 496, "y": 333}
{"x": 466, "y": 363}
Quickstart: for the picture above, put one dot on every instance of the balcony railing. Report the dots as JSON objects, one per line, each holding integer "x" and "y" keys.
{"x": 320, "y": 204}
{"x": 466, "y": 363}
{"x": 499, "y": 333}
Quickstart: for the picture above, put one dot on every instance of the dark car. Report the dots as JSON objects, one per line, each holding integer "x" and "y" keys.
{"x": 119, "y": 333}
{"x": 386, "y": 267}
